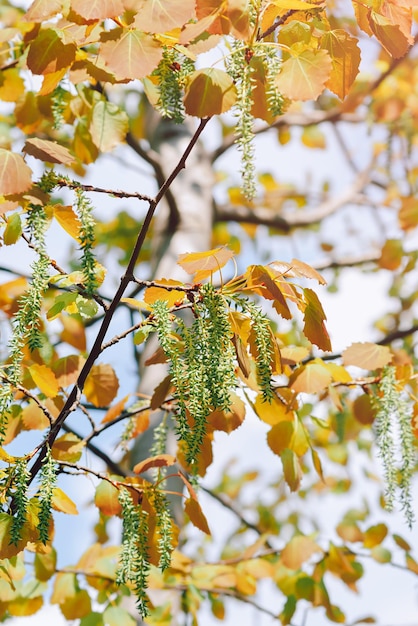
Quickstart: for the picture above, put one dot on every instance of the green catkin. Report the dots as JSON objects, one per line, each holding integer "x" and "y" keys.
{"x": 263, "y": 343}
{"x": 164, "y": 528}
{"x": 21, "y": 478}
{"x": 134, "y": 562}
{"x": 172, "y": 73}
{"x": 393, "y": 415}
{"x": 87, "y": 240}
{"x": 48, "y": 482}
{"x": 27, "y": 321}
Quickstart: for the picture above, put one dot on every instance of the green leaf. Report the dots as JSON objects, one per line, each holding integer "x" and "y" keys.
{"x": 108, "y": 125}
{"x": 13, "y": 229}
{"x": 118, "y": 616}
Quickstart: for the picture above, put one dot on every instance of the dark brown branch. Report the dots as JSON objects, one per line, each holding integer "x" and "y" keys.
{"x": 279, "y": 22}
{"x": 63, "y": 182}
{"x": 74, "y": 397}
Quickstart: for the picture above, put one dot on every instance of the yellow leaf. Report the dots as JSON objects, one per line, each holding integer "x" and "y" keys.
{"x": 62, "y": 503}
{"x": 209, "y": 92}
{"x": 204, "y": 264}
{"x": 298, "y": 551}
{"x": 50, "y": 52}
{"x": 389, "y": 34}
{"x": 44, "y": 379}
{"x": 67, "y": 218}
{"x": 106, "y": 498}
{"x": 303, "y": 76}
{"x": 291, "y": 469}
{"x": 33, "y": 418}
{"x": 272, "y": 412}
{"x": 196, "y": 516}
{"x": 158, "y": 292}
{"x": 68, "y": 448}
{"x": 367, "y": 355}
{"x": 374, "y": 535}
{"x": 311, "y": 378}
{"x": 101, "y": 385}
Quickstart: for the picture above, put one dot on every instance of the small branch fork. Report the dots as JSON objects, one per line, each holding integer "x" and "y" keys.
{"x": 73, "y": 399}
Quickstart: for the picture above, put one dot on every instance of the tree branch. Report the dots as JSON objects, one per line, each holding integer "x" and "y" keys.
{"x": 73, "y": 399}
{"x": 286, "y": 222}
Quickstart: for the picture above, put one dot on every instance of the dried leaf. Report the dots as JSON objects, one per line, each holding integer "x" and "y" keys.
{"x": 92, "y": 10}
{"x": 314, "y": 317}
{"x": 160, "y": 16}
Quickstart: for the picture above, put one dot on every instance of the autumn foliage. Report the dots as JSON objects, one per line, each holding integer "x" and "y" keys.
{"x": 84, "y": 79}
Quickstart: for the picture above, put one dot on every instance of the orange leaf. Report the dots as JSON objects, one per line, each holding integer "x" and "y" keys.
{"x": 61, "y": 502}
{"x": 106, "y": 499}
{"x": 314, "y": 317}
{"x": 48, "y": 151}
{"x": 115, "y": 410}
{"x": 15, "y": 175}
{"x": 195, "y": 513}
{"x": 159, "y": 16}
{"x": 44, "y": 378}
{"x": 92, "y": 10}
{"x": 389, "y": 34}
{"x": 298, "y": 551}
{"x": 227, "y": 421}
{"x": 129, "y": 53}
{"x": 67, "y": 369}
{"x": 204, "y": 263}
{"x": 303, "y": 76}
{"x": 101, "y": 385}
{"x": 209, "y": 92}
{"x": 33, "y": 418}
{"x": 73, "y": 332}
{"x": 161, "y": 460}
{"x": 408, "y": 213}
{"x": 367, "y": 355}
{"x": 345, "y": 58}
